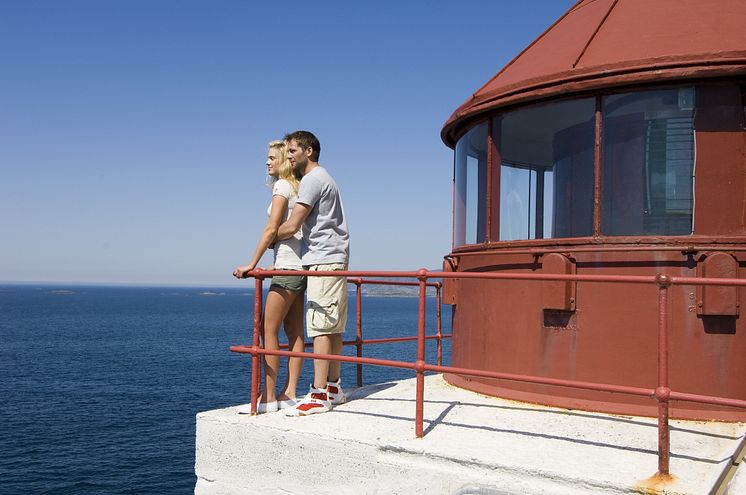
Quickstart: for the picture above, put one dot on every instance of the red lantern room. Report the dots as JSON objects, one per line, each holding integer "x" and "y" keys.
{"x": 614, "y": 144}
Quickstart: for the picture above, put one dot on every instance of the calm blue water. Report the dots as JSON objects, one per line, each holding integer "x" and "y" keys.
{"x": 99, "y": 386}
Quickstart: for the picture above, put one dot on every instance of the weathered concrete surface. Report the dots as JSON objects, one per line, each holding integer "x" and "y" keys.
{"x": 737, "y": 485}
{"x": 471, "y": 443}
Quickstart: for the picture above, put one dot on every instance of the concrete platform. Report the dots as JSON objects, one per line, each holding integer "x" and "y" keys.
{"x": 473, "y": 444}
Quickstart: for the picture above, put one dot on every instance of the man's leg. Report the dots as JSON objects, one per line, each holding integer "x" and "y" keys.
{"x": 334, "y": 366}
{"x": 324, "y": 370}
{"x": 317, "y": 400}
{"x": 321, "y": 345}
{"x": 326, "y": 317}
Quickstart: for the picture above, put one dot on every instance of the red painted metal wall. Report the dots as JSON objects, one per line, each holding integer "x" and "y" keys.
{"x": 610, "y": 337}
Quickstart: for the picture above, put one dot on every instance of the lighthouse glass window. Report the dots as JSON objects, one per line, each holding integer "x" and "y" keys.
{"x": 470, "y": 178}
{"x": 648, "y": 162}
{"x": 546, "y": 171}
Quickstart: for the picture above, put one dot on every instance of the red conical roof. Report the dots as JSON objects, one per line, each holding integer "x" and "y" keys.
{"x": 603, "y": 43}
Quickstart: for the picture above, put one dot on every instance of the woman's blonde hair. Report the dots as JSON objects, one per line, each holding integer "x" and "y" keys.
{"x": 286, "y": 169}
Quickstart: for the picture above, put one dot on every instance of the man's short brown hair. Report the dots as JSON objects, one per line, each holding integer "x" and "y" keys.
{"x": 305, "y": 140}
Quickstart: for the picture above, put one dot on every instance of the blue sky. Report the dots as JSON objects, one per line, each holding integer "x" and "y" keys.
{"x": 133, "y": 133}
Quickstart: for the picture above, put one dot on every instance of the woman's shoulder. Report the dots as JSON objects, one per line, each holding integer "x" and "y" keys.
{"x": 283, "y": 187}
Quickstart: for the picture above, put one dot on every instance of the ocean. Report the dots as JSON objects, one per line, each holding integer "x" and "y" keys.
{"x": 99, "y": 386}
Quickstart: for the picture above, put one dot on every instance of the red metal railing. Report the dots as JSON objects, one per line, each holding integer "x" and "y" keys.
{"x": 662, "y": 393}
{"x": 358, "y": 343}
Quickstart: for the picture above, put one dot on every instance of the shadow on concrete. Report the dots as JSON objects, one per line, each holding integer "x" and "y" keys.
{"x": 440, "y": 421}
{"x": 367, "y": 390}
{"x": 570, "y": 412}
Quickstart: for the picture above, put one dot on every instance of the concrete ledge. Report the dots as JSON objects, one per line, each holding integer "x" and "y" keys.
{"x": 473, "y": 444}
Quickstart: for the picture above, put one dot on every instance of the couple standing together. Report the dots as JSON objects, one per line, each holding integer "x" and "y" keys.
{"x": 308, "y": 228}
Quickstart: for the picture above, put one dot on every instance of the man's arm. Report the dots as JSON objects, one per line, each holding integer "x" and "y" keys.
{"x": 292, "y": 225}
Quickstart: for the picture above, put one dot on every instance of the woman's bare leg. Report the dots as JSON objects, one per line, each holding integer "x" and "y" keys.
{"x": 294, "y": 331}
{"x": 278, "y": 304}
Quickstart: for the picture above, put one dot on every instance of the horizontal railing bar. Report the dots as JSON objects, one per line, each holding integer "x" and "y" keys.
{"x": 634, "y": 279}
{"x": 262, "y": 273}
{"x": 707, "y": 399}
{"x": 364, "y": 281}
{"x": 640, "y": 279}
{"x": 247, "y": 349}
{"x": 398, "y": 339}
{"x": 707, "y": 281}
{"x": 309, "y": 345}
{"x": 644, "y": 392}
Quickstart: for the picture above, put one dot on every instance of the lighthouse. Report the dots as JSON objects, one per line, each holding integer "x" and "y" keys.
{"x": 614, "y": 144}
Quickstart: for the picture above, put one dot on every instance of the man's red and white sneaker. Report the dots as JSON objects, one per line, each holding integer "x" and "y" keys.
{"x": 335, "y": 392}
{"x": 316, "y": 401}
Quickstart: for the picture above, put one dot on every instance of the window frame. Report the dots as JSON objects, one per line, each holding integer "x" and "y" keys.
{"x": 494, "y": 162}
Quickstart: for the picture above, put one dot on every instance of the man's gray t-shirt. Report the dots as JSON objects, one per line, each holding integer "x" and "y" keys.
{"x": 325, "y": 235}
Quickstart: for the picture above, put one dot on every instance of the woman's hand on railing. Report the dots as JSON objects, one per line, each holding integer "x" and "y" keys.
{"x": 243, "y": 270}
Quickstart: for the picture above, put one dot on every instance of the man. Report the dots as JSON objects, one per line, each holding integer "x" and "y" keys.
{"x": 326, "y": 242}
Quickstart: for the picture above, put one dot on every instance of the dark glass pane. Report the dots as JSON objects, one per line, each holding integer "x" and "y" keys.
{"x": 470, "y": 214}
{"x": 648, "y": 162}
{"x": 546, "y": 173}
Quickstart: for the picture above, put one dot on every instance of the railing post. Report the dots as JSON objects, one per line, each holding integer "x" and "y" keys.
{"x": 663, "y": 392}
{"x": 359, "y": 329}
{"x": 420, "y": 364}
{"x": 255, "y": 356}
{"x": 438, "y": 332}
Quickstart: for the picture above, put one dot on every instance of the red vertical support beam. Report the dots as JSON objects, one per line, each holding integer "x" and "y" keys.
{"x": 420, "y": 364}
{"x": 359, "y": 329}
{"x": 255, "y": 357}
{"x": 597, "y": 154}
{"x": 493, "y": 187}
{"x": 488, "y": 193}
{"x": 663, "y": 392}
{"x": 438, "y": 302}
{"x": 453, "y": 205}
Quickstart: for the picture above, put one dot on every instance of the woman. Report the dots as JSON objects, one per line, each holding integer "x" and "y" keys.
{"x": 285, "y": 298}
